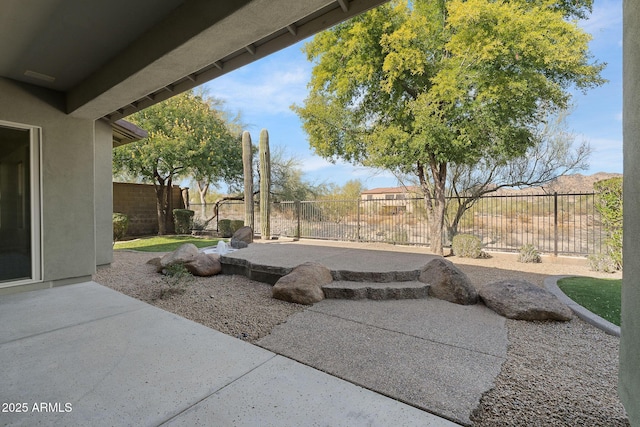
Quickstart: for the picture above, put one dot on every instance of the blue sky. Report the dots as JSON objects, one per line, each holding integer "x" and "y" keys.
{"x": 263, "y": 91}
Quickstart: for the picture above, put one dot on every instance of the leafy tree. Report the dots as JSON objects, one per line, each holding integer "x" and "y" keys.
{"x": 287, "y": 181}
{"x": 343, "y": 200}
{"x": 222, "y": 163}
{"x": 186, "y": 137}
{"x": 418, "y": 88}
{"x": 552, "y": 155}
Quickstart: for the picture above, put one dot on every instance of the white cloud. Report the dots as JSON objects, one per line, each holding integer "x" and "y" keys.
{"x": 269, "y": 86}
{"x": 606, "y": 14}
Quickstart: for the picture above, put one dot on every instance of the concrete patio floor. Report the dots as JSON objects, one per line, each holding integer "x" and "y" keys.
{"x": 87, "y": 355}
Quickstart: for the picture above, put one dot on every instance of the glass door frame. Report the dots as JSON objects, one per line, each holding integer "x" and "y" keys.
{"x": 35, "y": 183}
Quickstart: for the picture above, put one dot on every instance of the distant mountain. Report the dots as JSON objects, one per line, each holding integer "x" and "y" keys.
{"x": 576, "y": 183}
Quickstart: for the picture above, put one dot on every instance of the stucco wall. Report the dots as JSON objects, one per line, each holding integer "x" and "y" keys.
{"x": 103, "y": 192}
{"x": 68, "y": 237}
{"x": 630, "y": 338}
{"x": 138, "y": 201}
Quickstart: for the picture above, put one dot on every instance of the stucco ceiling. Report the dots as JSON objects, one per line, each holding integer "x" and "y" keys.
{"x": 113, "y": 57}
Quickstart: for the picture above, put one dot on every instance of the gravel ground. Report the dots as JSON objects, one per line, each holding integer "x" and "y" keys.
{"x": 560, "y": 374}
{"x": 233, "y": 305}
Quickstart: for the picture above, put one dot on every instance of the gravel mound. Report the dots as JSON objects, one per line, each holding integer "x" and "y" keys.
{"x": 556, "y": 374}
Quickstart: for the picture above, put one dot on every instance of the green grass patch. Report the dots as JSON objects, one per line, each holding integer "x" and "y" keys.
{"x": 163, "y": 243}
{"x": 600, "y": 296}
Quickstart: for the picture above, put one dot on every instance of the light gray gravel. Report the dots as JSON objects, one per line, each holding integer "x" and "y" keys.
{"x": 233, "y": 305}
{"x": 556, "y": 374}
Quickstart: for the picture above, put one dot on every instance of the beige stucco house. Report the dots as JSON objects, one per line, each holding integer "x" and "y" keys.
{"x": 392, "y": 200}
{"x": 69, "y": 70}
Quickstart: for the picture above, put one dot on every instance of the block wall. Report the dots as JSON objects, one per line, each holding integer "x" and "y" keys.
{"x": 138, "y": 202}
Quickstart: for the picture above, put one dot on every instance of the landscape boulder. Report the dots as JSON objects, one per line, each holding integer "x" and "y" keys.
{"x": 184, "y": 254}
{"x": 303, "y": 285}
{"x": 448, "y": 282}
{"x": 204, "y": 265}
{"x": 522, "y": 300}
{"x": 242, "y": 237}
{"x": 156, "y": 263}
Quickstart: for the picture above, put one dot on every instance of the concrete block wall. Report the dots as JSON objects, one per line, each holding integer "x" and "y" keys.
{"x": 138, "y": 202}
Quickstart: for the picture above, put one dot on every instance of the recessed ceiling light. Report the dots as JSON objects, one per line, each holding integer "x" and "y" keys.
{"x": 39, "y": 76}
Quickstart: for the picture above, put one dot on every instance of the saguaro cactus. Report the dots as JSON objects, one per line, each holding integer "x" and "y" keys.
{"x": 265, "y": 185}
{"x": 247, "y": 163}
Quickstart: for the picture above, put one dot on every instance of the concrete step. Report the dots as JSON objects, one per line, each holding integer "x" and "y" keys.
{"x": 376, "y": 291}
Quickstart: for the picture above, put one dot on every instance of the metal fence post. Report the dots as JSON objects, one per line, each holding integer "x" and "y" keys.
{"x": 297, "y": 204}
{"x": 555, "y": 223}
{"x": 358, "y": 221}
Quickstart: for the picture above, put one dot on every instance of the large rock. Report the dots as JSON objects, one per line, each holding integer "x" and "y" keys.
{"x": 304, "y": 284}
{"x": 184, "y": 254}
{"x": 242, "y": 238}
{"x": 522, "y": 300}
{"x": 156, "y": 263}
{"x": 448, "y": 282}
{"x": 204, "y": 265}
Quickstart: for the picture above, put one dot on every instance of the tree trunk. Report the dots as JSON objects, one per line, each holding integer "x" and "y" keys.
{"x": 435, "y": 201}
{"x": 436, "y": 225}
{"x": 203, "y": 189}
{"x": 168, "y": 211}
{"x": 159, "y": 187}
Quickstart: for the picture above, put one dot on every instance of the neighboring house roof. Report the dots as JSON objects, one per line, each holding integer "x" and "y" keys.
{"x": 392, "y": 190}
{"x": 125, "y": 132}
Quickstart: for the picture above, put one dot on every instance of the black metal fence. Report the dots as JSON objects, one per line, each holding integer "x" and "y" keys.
{"x": 560, "y": 224}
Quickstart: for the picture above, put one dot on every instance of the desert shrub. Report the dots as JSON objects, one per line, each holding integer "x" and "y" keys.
{"x": 236, "y": 224}
{"x": 467, "y": 246}
{"x": 603, "y": 263}
{"x": 399, "y": 236}
{"x": 182, "y": 219}
{"x": 609, "y": 206}
{"x": 529, "y": 254}
{"x": 120, "y": 226}
{"x": 176, "y": 279}
{"x": 198, "y": 224}
{"x": 224, "y": 228}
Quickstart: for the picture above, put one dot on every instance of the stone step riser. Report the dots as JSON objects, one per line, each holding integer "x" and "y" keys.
{"x": 376, "y": 277}
{"x": 382, "y": 291}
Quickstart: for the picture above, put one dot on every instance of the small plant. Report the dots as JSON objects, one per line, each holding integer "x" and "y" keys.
{"x": 467, "y": 246}
{"x": 176, "y": 278}
{"x": 120, "y": 226}
{"x": 182, "y": 219}
{"x": 603, "y": 263}
{"x": 529, "y": 254}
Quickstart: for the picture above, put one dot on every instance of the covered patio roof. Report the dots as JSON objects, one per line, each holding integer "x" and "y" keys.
{"x": 113, "y": 57}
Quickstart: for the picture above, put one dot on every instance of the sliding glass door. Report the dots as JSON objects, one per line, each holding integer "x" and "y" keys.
{"x": 19, "y": 204}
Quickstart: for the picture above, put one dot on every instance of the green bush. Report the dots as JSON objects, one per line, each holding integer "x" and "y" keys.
{"x": 467, "y": 246}
{"x": 529, "y": 254}
{"x": 603, "y": 263}
{"x": 120, "y": 226}
{"x": 224, "y": 228}
{"x": 609, "y": 206}
{"x": 236, "y": 224}
{"x": 182, "y": 219}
